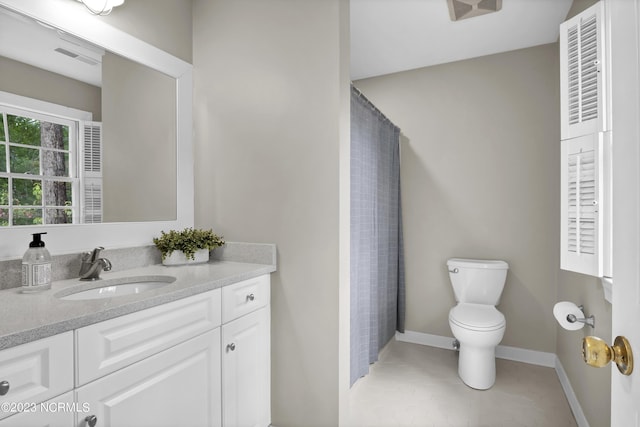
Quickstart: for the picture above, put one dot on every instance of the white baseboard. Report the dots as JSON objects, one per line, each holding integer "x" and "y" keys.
{"x": 524, "y": 355}
{"x": 532, "y": 357}
{"x": 571, "y": 396}
{"x": 516, "y": 354}
{"x": 426, "y": 339}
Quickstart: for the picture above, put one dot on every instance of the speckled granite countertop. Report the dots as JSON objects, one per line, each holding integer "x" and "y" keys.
{"x": 28, "y": 317}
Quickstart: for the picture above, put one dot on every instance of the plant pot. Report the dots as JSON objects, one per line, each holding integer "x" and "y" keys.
{"x": 179, "y": 258}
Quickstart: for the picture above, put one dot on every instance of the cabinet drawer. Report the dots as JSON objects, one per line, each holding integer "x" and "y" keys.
{"x": 38, "y": 370}
{"x": 244, "y": 297}
{"x": 107, "y": 346}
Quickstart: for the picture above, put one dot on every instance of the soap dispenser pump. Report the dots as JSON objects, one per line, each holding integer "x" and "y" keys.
{"x": 36, "y": 266}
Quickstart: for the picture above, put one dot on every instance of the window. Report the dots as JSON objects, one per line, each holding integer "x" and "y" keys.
{"x": 40, "y": 178}
{"x": 36, "y": 168}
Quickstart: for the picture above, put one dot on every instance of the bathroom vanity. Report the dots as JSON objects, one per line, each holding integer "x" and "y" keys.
{"x": 194, "y": 352}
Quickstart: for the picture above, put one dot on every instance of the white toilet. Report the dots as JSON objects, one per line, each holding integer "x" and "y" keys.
{"x": 475, "y": 321}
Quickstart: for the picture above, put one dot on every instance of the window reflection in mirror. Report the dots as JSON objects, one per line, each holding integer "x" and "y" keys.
{"x": 37, "y": 186}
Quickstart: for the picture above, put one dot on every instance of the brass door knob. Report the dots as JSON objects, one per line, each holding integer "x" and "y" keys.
{"x": 597, "y": 353}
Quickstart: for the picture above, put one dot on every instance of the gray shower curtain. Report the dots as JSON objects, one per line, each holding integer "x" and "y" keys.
{"x": 377, "y": 259}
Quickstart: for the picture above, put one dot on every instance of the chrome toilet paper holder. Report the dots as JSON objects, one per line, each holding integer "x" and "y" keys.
{"x": 591, "y": 320}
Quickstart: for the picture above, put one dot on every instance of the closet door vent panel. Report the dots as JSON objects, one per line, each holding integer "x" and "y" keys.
{"x": 582, "y": 221}
{"x": 583, "y": 72}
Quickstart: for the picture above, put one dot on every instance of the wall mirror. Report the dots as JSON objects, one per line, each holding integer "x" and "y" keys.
{"x": 138, "y": 94}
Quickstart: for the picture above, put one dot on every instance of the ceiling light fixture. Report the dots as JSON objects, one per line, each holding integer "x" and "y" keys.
{"x": 101, "y": 7}
{"x": 463, "y": 9}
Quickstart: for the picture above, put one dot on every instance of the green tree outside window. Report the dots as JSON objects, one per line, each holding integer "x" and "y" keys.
{"x": 40, "y": 149}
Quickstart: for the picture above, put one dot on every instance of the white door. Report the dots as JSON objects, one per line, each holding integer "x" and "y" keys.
{"x": 624, "y": 18}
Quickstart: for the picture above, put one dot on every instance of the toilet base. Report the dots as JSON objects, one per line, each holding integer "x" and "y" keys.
{"x": 477, "y": 366}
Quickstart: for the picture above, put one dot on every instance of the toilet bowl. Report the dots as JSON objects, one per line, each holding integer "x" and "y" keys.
{"x": 475, "y": 321}
{"x": 478, "y": 340}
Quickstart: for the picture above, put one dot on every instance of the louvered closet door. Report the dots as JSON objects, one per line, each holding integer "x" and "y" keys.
{"x": 582, "y": 219}
{"x": 583, "y": 73}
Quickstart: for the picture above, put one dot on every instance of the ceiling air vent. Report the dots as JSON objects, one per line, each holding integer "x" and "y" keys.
{"x": 463, "y": 9}
{"x": 79, "y": 57}
{"x": 79, "y": 49}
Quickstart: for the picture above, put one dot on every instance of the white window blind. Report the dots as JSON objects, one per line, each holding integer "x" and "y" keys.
{"x": 92, "y": 172}
{"x": 582, "y": 220}
{"x": 583, "y": 71}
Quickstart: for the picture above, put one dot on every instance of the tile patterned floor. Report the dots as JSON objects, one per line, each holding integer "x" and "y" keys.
{"x": 415, "y": 385}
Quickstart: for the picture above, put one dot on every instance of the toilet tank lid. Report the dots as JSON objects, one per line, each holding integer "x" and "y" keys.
{"x": 477, "y": 263}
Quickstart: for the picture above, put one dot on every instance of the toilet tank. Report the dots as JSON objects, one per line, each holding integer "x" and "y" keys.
{"x": 477, "y": 281}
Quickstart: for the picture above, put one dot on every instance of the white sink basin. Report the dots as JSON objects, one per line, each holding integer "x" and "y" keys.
{"x": 117, "y": 287}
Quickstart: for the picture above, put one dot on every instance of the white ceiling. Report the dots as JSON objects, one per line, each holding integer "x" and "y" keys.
{"x": 389, "y": 36}
{"x": 26, "y": 40}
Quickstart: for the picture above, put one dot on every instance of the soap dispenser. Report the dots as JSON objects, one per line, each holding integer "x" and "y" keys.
{"x": 36, "y": 266}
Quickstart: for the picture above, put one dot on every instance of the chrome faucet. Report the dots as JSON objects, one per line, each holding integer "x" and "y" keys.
{"x": 92, "y": 266}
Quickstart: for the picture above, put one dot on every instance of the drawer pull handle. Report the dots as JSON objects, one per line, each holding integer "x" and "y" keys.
{"x": 91, "y": 420}
{"x": 251, "y": 297}
{"x": 231, "y": 347}
{"x": 4, "y": 388}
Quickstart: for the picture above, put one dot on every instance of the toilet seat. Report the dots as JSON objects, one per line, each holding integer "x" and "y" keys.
{"x": 477, "y": 317}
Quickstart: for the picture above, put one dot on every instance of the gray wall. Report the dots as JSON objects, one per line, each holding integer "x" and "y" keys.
{"x": 480, "y": 173}
{"x": 578, "y": 6}
{"x": 591, "y": 386}
{"x": 26, "y": 80}
{"x": 163, "y": 23}
{"x": 139, "y": 142}
{"x": 270, "y": 110}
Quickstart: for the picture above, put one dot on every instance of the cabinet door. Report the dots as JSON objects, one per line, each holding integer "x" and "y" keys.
{"x": 57, "y": 412}
{"x": 583, "y": 74}
{"x": 246, "y": 371}
{"x": 585, "y": 205}
{"x": 36, "y": 371}
{"x": 177, "y": 387}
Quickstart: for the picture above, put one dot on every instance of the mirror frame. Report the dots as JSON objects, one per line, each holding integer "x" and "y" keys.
{"x": 71, "y": 17}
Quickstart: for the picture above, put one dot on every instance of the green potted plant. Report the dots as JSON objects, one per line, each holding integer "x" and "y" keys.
{"x": 189, "y": 246}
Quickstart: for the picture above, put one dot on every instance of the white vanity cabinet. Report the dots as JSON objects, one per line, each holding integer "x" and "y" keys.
{"x": 201, "y": 361}
{"x": 246, "y": 361}
{"x": 156, "y": 367}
